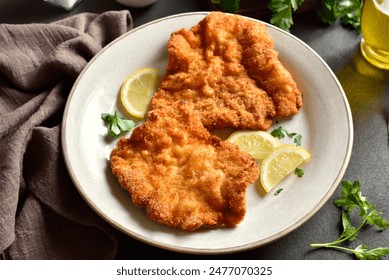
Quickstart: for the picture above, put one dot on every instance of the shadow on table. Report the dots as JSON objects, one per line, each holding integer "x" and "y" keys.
{"x": 364, "y": 85}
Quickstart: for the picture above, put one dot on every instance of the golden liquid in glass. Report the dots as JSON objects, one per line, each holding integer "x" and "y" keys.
{"x": 375, "y": 32}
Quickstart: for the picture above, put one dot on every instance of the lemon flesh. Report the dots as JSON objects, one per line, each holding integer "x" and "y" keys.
{"x": 136, "y": 91}
{"x": 280, "y": 163}
{"x": 259, "y": 144}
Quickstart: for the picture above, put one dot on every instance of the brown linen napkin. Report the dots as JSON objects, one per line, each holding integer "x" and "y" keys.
{"x": 42, "y": 216}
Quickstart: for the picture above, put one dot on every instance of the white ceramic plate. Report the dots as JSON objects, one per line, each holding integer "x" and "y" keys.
{"x": 325, "y": 123}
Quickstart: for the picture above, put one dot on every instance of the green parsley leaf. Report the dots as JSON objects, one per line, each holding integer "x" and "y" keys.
{"x": 327, "y": 13}
{"x": 278, "y": 191}
{"x": 282, "y": 11}
{"x": 229, "y": 6}
{"x": 375, "y": 219}
{"x": 351, "y": 197}
{"x": 116, "y": 124}
{"x": 297, "y": 140}
{"x": 280, "y": 132}
{"x": 299, "y": 172}
{"x": 349, "y": 231}
{"x": 349, "y": 11}
{"x": 362, "y": 253}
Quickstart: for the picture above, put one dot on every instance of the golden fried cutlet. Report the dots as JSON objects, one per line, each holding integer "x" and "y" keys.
{"x": 222, "y": 72}
{"x": 227, "y": 67}
{"x": 184, "y": 176}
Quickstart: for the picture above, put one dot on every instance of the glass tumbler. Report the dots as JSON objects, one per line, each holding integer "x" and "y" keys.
{"x": 375, "y": 32}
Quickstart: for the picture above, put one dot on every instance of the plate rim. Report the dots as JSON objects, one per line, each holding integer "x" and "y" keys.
{"x": 205, "y": 251}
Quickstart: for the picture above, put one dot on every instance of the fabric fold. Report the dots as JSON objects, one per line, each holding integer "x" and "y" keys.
{"x": 42, "y": 216}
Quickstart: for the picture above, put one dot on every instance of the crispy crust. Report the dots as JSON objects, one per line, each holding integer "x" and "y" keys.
{"x": 184, "y": 176}
{"x": 227, "y": 67}
{"x": 223, "y": 72}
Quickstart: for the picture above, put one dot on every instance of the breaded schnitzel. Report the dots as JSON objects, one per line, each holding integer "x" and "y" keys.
{"x": 184, "y": 176}
{"x": 227, "y": 67}
{"x": 222, "y": 72}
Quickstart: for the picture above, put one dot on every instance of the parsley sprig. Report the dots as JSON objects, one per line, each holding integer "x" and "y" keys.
{"x": 282, "y": 11}
{"x": 351, "y": 197}
{"x": 348, "y": 11}
{"x": 116, "y": 124}
{"x": 229, "y": 6}
{"x": 281, "y": 132}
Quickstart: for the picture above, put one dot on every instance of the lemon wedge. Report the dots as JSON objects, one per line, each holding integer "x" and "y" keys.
{"x": 137, "y": 90}
{"x": 280, "y": 163}
{"x": 259, "y": 144}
